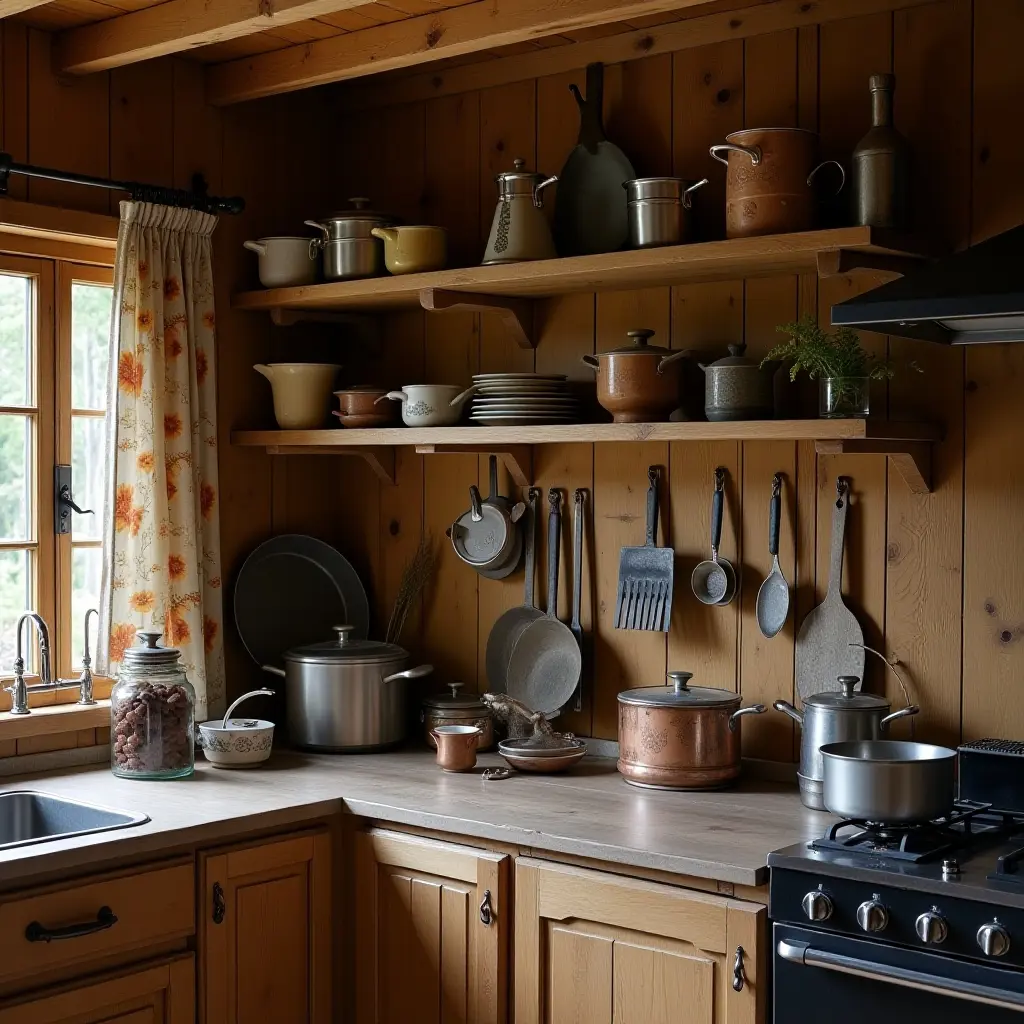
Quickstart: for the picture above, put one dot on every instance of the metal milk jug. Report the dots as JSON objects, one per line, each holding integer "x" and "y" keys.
{"x": 520, "y": 230}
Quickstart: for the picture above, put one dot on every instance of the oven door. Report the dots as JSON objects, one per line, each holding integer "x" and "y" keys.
{"x": 849, "y": 981}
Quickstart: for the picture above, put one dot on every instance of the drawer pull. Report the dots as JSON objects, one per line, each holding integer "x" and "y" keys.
{"x": 486, "y": 913}
{"x": 105, "y": 918}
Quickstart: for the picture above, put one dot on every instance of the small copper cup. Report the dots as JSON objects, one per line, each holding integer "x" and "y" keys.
{"x": 456, "y": 746}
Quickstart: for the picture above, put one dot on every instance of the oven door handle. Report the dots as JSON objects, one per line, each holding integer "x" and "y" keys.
{"x": 802, "y": 953}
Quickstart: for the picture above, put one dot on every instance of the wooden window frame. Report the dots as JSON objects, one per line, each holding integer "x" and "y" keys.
{"x": 54, "y": 259}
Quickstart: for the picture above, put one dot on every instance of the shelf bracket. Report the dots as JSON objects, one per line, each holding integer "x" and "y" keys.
{"x": 516, "y": 314}
{"x": 380, "y": 459}
{"x": 843, "y": 261}
{"x": 912, "y": 459}
{"x": 517, "y": 458}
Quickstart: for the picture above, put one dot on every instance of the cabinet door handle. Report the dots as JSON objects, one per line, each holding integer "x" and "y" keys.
{"x": 220, "y": 906}
{"x": 486, "y": 912}
{"x": 738, "y": 977}
{"x": 105, "y": 918}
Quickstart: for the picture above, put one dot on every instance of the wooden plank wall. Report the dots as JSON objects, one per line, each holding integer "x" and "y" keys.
{"x": 149, "y": 122}
{"x": 934, "y": 578}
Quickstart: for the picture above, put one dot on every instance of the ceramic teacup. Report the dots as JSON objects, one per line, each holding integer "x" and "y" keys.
{"x": 456, "y": 746}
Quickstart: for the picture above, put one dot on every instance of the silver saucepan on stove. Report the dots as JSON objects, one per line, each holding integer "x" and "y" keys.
{"x": 347, "y": 695}
{"x": 888, "y": 781}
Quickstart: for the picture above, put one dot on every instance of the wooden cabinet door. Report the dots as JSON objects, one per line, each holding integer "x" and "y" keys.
{"x": 432, "y": 923}
{"x": 161, "y": 993}
{"x": 593, "y": 948}
{"x": 265, "y": 932}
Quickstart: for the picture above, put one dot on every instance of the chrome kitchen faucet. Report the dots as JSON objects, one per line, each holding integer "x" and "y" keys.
{"x": 19, "y": 690}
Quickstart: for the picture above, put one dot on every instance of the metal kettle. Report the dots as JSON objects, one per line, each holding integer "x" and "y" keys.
{"x": 834, "y": 717}
{"x": 520, "y": 230}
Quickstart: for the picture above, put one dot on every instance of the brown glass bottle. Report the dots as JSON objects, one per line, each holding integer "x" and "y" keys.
{"x": 881, "y": 165}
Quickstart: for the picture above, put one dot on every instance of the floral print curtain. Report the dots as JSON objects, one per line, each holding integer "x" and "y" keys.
{"x": 161, "y": 564}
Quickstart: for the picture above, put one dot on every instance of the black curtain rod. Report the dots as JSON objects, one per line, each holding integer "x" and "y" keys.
{"x": 196, "y": 198}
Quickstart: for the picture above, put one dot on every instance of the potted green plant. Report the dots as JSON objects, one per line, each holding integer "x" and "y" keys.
{"x": 838, "y": 361}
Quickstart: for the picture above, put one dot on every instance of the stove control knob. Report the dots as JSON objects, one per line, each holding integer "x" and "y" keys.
{"x": 817, "y": 906}
{"x": 872, "y": 916}
{"x": 994, "y": 939}
{"x": 931, "y": 927}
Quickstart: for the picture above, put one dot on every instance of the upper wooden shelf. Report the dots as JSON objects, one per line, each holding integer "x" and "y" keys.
{"x": 837, "y": 250}
{"x": 908, "y": 444}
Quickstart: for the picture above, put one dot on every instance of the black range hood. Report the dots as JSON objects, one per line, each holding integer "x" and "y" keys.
{"x": 973, "y": 297}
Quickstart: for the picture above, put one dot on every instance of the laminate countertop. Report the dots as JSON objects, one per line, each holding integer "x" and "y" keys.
{"x": 589, "y": 812}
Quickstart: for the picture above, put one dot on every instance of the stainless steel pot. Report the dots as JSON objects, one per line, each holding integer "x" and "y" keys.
{"x": 346, "y": 695}
{"x": 680, "y": 736}
{"x": 834, "y": 718}
{"x": 454, "y": 708}
{"x": 889, "y": 781}
{"x": 348, "y": 247}
{"x": 657, "y": 210}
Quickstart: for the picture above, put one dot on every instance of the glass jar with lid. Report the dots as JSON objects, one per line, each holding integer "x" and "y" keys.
{"x": 152, "y": 711}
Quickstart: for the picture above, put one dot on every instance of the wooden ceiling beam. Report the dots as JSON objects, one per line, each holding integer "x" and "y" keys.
{"x": 176, "y": 26}
{"x": 483, "y": 25}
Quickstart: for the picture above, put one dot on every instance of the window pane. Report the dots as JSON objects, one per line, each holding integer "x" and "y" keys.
{"x": 15, "y": 340}
{"x": 90, "y": 336}
{"x": 15, "y": 598}
{"x": 87, "y": 475}
{"x": 15, "y": 477}
{"x": 86, "y": 567}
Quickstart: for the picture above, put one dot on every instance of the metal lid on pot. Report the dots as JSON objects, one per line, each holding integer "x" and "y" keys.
{"x": 519, "y": 182}
{"x": 668, "y": 189}
{"x": 640, "y": 346}
{"x": 455, "y": 701}
{"x": 149, "y": 655}
{"x": 734, "y": 358}
{"x": 847, "y": 698}
{"x": 353, "y": 223}
{"x": 677, "y": 693}
{"x": 345, "y": 649}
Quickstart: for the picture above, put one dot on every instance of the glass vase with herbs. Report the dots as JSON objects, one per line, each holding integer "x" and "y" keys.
{"x": 840, "y": 364}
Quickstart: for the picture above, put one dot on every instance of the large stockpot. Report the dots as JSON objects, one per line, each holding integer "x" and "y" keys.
{"x": 658, "y": 210}
{"x": 834, "y": 718}
{"x": 680, "y": 736}
{"x": 349, "y": 248}
{"x": 346, "y": 695}
{"x": 769, "y": 187}
{"x": 889, "y": 781}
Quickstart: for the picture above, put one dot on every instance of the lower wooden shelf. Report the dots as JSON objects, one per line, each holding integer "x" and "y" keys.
{"x": 908, "y": 444}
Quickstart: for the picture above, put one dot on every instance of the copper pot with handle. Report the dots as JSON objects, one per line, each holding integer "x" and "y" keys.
{"x": 769, "y": 187}
{"x": 680, "y": 736}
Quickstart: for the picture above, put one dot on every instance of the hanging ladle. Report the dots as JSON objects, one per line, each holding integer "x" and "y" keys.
{"x": 773, "y": 597}
{"x": 714, "y": 579}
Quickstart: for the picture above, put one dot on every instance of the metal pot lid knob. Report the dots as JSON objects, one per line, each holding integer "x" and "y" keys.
{"x": 641, "y": 336}
{"x": 848, "y": 684}
{"x": 679, "y": 680}
{"x": 344, "y": 634}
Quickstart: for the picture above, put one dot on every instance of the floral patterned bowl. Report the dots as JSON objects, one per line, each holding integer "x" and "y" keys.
{"x": 236, "y": 743}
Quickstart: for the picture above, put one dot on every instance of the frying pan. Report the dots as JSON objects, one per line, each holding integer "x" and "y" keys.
{"x": 546, "y": 661}
{"x": 511, "y": 623}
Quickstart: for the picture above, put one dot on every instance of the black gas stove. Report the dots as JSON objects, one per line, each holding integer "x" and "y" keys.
{"x": 889, "y": 922}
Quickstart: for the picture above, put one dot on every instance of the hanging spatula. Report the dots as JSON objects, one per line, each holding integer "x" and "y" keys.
{"x": 646, "y": 575}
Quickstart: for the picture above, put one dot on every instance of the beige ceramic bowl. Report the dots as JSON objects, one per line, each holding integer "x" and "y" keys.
{"x": 413, "y": 248}
{"x": 302, "y": 392}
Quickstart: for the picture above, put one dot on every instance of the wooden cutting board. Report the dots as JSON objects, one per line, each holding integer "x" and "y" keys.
{"x": 823, "y": 651}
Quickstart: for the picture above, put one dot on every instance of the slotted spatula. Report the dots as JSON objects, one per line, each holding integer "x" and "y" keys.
{"x": 646, "y": 575}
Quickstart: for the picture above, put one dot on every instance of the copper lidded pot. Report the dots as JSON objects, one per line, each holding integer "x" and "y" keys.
{"x": 638, "y": 383}
{"x": 680, "y": 736}
{"x": 769, "y": 187}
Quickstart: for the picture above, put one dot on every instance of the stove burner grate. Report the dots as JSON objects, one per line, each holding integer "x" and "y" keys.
{"x": 922, "y": 841}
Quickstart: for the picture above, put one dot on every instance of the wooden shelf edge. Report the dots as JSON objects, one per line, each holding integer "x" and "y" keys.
{"x": 766, "y": 255}
{"x": 54, "y": 719}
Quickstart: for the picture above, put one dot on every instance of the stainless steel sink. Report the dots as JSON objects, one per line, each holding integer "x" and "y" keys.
{"x": 30, "y": 817}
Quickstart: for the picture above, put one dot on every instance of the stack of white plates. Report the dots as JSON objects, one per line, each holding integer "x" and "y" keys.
{"x": 518, "y": 399}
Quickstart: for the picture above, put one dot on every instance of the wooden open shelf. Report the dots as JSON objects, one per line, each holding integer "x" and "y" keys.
{"x": 510, "y": 288}
{"x": 908, "y": 444}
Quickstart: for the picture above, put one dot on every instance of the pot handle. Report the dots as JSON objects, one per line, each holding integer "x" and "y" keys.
{"x": 825, "y": 163}
{"x": 592, "y": 361}
{"x": 410, "y": 673}
{"x": 754, "y": 709}
{"x": 457, "y": 401}
{"x": 273, "y": 670}
{"x": 538, "y": 200}
{"x": 257, "y": 247}
{"x": 787, "y": 709}
{"x": 386, "y": 234}
{"x": 395, "y": 396}
{"x": 670, "y": 359}
{"x": 910, "y": 709}
{"x": 320, "y": 227}
{"x": 687, "y": 201}
{"x": 754, "y": 152}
